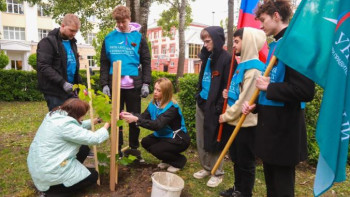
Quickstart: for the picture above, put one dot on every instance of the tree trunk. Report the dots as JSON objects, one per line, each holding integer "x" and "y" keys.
{"x": 181, "y": 63}
{"x": 144, "y": 12}
{"x": 134, "y": 6}
{"x": 230, "y": 26}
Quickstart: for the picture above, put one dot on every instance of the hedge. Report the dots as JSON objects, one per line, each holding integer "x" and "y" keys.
{"x": 16, "y": 85}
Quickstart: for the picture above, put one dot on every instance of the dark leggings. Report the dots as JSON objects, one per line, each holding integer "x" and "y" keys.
{"x": 61, "y": 190}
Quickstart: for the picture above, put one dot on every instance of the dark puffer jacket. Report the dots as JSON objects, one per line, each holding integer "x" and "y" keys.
{"x": 212, "y": 107}
{"x": 52, "y": 64}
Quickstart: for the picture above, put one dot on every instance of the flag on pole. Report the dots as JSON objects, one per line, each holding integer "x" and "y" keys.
{"x": 246, "y": 18}
{"x": 317, "y": 44}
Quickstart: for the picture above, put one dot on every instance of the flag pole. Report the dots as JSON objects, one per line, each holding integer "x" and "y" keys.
{"x": 241, "y": 120}
{"x": 232, "y": 69}
{"x": 92, "y": 121}
{"x": 113, "y": 174}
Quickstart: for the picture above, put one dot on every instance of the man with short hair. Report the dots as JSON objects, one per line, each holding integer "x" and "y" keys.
{"x": 125, "y": 43}
{"x": 247, "y": 42}
{"x": 212, "y": 80}
{"x": 58, "y": 62}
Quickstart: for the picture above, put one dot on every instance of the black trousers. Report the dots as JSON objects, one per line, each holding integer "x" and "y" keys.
{"x": 280, "y": 180}
{"x": 132, "y": 100}
{"x": 61, "y": 190}
{"x": 243, "y": 158}
{"x": 168, "y": 150}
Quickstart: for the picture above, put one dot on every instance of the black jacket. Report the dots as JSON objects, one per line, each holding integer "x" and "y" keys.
{"x": 144, "y": 71}
{"x": 281, "y": 133}
{"x": 212, "y": 107}
{"x": 52, "y": 64}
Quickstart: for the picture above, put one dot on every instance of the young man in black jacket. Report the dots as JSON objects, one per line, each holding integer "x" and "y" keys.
{"x": 125, "y": 43}
{"x": 58, "y": 62}
{"x": 212, "y": 81}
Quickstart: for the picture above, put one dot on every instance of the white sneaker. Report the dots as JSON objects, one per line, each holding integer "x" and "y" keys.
{"x": 163, "y": 165}
{"x": 173, "y": 169}
{"x": 214, "y": 181}
{"x": 201, "y": 174}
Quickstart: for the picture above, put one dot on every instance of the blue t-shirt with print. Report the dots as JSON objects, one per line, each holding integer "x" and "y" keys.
{"x": 71, "y": 61}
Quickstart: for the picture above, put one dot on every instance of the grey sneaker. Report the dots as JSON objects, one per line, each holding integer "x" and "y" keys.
{"x": 163, "y": 165}
{"x": 214, "y": 181}
{"x": 201, "y": 174}
{"x": 172, "y": 169}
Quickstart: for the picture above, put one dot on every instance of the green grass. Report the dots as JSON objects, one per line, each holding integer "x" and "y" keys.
{"x": 20, "y": 120}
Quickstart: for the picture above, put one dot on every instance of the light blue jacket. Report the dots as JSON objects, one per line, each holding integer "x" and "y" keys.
{"x": 52, "y": 154}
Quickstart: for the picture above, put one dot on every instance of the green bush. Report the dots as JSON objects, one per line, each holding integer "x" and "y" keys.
{"x": 311, "y": 115}
{"x": 32, "y": 60}
{"x": 188, "y": 89}
{"x": 4, "y": 60}
{"x": 16, "y": 85}
{"x": 159, "y": 74}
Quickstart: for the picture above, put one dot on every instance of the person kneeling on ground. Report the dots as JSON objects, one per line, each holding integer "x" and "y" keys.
{"x": 164, "y": 116}
{"x": 55, "y": 159}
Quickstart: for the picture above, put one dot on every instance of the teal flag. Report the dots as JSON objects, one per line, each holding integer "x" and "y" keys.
{"x": 317, "y": 44}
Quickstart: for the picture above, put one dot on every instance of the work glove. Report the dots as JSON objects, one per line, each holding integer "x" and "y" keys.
{"x": 144, "y": 90}
{"x": 106, "y": 90}
{"x": 68, "y": 87}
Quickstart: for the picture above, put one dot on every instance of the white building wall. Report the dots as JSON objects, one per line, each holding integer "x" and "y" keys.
{"x": 31, "y": 28}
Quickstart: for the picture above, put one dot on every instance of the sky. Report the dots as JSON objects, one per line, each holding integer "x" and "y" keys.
{"x": 202, "y": 11}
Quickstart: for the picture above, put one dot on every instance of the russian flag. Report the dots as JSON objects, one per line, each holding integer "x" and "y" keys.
{"x": 246, "y": 18}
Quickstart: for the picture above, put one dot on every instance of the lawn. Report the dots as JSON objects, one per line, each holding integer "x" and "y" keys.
{"x": 20, "y": 120}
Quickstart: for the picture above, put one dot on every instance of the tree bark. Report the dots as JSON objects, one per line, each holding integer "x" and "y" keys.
{"x": 134, "y": 6}
{"x": 230, "y": 26}
{"x": 144, "y": 12}
{"x": 181, "y": 63}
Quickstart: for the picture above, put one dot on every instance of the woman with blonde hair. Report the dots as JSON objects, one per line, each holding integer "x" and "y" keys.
{"x": 163, "y": 115}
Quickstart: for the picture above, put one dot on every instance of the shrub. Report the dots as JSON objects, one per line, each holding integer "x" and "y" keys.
{"x": 311, "y": 115}
{"x": 4, "y": 60}
{"x": 32, "y": 60}
{"x": 157, "y": 74}
{"x": 16, "y": 85}
{"x": 188, "y": 89}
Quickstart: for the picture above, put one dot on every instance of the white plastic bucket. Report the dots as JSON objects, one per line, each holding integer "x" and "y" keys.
{"x": 166, "y": 184}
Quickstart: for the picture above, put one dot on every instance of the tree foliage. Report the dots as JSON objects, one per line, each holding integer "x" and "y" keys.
{"x": 3, "y": 5}
{"x": 170, "y": 18}
{"x": 97, "y": 43}
{"x": 4, "y": 60}
{"x": 85, "y": 9}
{"x": 32, "y": 60}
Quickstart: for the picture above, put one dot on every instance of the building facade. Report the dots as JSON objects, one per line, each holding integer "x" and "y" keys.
{"x": 22, "y": 26}
{"x": 165, "y": 49}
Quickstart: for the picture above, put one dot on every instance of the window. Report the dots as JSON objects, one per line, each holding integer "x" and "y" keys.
{"x": 14, "y": 33}
{"x": 163, "y": 49}
{"x": 91, "y": 60}
{"x": 42, "y": 11}
{"x": 14, "y": 7}
{"x": 155, "y": 34}
{"x": 42, "y": 33}
{"x": 172, "y": 48}
{"x": 193, "y": 50}
{"x": 156, "y": 50}
{"x": 90, "y": 37}
{"x": 16, "y": 64}
{"x": 172, "y": 64}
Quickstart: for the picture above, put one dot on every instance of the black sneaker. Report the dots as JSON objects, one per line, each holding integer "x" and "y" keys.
{"x": 135, "y": 153}
{"x": 236, "y": 194}
{"x": 228, "y": 192}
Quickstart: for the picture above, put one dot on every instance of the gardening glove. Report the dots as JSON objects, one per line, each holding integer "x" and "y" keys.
{"x": 106, "y": 90}
{"x": 68, "y": 87}
{"x": 144, "y": 90}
